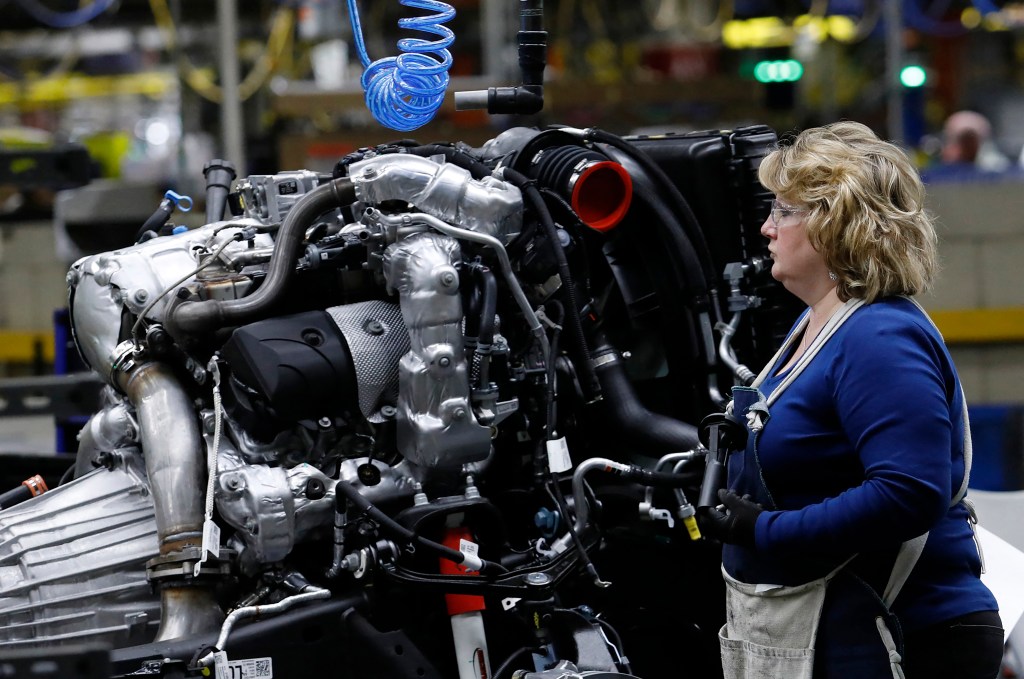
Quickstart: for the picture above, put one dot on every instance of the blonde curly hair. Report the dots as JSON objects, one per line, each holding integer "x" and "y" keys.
{"x": 865, "y": 203}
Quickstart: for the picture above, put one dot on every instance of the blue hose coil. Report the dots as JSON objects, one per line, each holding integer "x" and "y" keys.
{"x": 404, "y": 92}
{"x": 79, "y": 17}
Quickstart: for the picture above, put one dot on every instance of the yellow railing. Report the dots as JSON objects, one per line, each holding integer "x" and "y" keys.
{"x": 981, "y": 326}
{"x": 26, "y": 346}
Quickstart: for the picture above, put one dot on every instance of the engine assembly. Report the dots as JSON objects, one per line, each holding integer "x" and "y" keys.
{"x": 431, "y": 415}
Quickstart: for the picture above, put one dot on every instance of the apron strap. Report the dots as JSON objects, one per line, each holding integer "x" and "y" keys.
{"x": 834, "y": 323}
{"x": 906, "y": 559}
{"x": 968, "y": 446}
{"x": 911, "y": 550}
{"x": 895, "y": 659}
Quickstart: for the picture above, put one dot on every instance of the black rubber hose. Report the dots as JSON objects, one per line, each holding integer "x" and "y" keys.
{"x": 629, "y": 416}
{"x": 219, "y": 175}
{"x": 480, "y": 322}
{"x": 346, "y": 492}
{"x": 156, "y": 220}
{"x": 209, "y": 315}
{"x": 472, "y": 303}
{"x": 687, "y": 268}
{"x": 670, "y": 191}
{"x": 679, "y": 246}
{"x": 646, "y": 477}
{"x": 489, "y": 306}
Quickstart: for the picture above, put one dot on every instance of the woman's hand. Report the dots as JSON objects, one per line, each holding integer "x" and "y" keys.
{"x": 736, "y": 524}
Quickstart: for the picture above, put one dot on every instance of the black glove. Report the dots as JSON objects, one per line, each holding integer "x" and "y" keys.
{"x": 736, "y": 524}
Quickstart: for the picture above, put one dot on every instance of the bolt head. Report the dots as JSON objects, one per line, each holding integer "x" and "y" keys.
{"x": 537, "y": 579}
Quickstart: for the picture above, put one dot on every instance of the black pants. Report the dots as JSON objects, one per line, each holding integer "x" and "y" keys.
{"x": 968, "y": 647}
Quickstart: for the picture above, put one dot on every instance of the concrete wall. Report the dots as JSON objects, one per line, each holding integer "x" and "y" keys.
{"x": 981, "y": 227}
{"x": 31, "y": 277}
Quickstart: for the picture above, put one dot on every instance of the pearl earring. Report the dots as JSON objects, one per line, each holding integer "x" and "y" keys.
{"x": 832, "y": 276}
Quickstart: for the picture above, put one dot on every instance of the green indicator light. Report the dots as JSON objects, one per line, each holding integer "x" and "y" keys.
{"x": 913, "y": 76}
{"x": 782, "y": 71}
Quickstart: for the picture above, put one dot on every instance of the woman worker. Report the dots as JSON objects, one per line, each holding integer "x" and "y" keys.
{"x": 848, "y": 549}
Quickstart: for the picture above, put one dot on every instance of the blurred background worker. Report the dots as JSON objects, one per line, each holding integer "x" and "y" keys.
{"x": 967, "y": 143}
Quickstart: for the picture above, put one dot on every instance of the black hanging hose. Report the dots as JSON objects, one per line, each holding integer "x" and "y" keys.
{"x": 688, "y": 266}
{"x": 662, "y": 433}
{"x": 541, "y": 470}
{"x": 671, "y": 193}
{"x": 483, "y": 340}
{"x": 684, "y": 238}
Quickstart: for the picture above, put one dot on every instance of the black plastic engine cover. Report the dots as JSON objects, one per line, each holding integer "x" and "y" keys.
{"x": 290, "y": 368}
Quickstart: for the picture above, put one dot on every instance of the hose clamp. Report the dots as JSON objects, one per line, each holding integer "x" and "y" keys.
{"x": 122, "y": 359}
{"x": 179, "y": 566}
{"x": 601, "y": 360}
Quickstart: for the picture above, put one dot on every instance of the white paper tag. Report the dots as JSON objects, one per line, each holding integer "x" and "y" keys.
{"x": 211, "y": 538}
{"x": 249, "y": 668}
{"x": 558, "y": 455}
{"x": 211, "y": 544}
{"x": 467, "y": 547}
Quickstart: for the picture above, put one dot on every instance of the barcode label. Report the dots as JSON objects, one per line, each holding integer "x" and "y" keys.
{"x": 249, "y": 668}
{"x": 558, "y": 455}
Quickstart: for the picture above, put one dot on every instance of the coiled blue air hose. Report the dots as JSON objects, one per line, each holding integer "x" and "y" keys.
{"x": 53, "y": 19}
{"x": 404, "y": 92}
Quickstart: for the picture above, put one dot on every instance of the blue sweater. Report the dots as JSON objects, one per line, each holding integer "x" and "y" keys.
{"x": 863, "y": 451}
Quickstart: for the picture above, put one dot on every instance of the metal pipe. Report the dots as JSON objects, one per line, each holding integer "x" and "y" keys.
{"x": 172, "y": 445}
{"x": 232, "y": 124}
{"x": 494, "y": 20}
{"x": 311, "y": 594}
{"x": 580, "y": 506}
{"x": 893, "y": 63}
{"x": 728, "y": 355}
{"x": 187, "y": 612}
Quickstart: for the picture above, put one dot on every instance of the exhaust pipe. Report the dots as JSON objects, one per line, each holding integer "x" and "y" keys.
{"x": 173, "y": 446}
